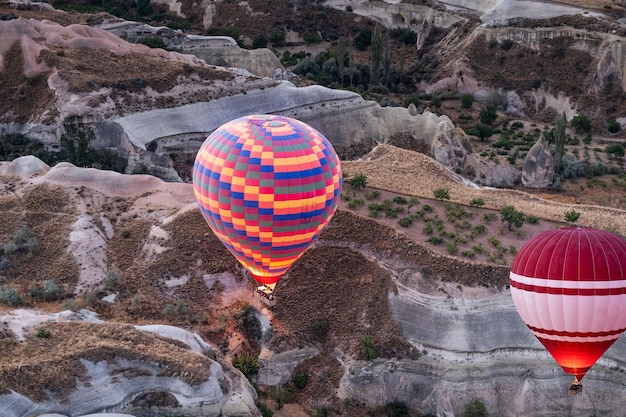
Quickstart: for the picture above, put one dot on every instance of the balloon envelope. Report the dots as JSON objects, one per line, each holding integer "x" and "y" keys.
{"x": 267, "y": 185}
{"x": 569, "y": 287}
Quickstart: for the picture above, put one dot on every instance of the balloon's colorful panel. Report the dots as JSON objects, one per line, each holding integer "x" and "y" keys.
{"x": 569, "y": 287}
{"x": 267, "y": 185}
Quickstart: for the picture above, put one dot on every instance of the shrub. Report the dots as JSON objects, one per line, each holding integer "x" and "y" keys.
{"x": 50, "y": 291}
{"x": 489, "y": 217}
{"x": 452, "y": 248}
{"x": 9, "y": 248}
{"x": 112, "y": 280}
{"x": 615, "y": 149}
{"x": 5, "y": 263}
{"x": 442, "y": 193}
{"x": 356, "y": 203}
{"x": 468, "y": 254}
{"x": 494, "y": 241}
{"x": 43, "y": 333}
{"x": 404, "y": 35}
{"x": 358, "y": 181}
{"x": 368, "y": 349}
{"x": 400, "y": 200}
{"x": 435, "y": 240}
{"x": 373, "y": 195}
{"x": 477, "y": 202}
{"x": 300, "y": 380}
{"x": 412, "y": 98}
{"x": 259, "y": 42}
{"x": 320, "y": 327}
{"x": 436, "y": 102}
{"x": 405, "y": 221}
{"x": 475, "y": 408}
{"x": 532, "y": 219}
{"x": 396, "y": 408}
{"x": 247, "y": 364}
{"x": 9, "y": 296}
{"x": 572, "y": 216}
{"x": 265, "y": 410}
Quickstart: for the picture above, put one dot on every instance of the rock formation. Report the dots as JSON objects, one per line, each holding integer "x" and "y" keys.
{"x": 538, "y": 168}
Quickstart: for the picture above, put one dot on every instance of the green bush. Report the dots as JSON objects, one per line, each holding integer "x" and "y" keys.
{"x": 358, "y": 181}
{"x": 452, "y": 248}
{"x": 400, "y": 200}
{"x": 247, "y": 364}
{"x": 467, "y": 100}
{"x": 300, "y": 380}
{"x": 475, "y": 408}
{"x": 356, "y": 203}
{"x": 368, "y": 349}
{"x": 396, "y": 408}
{"x": 405, "y": 221}
{"x": 613, "y": 126}
{"x": 265, "y": 410}
{"x": 43, "y": 333}
{"x": 373, "y": 195}
{"x": 581, "y": 123}
{"x": 435, "y": 240}
{"x": 477, "y": 202}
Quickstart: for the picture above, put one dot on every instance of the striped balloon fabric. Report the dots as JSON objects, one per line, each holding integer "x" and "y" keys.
{"x": 569, "y": 287}
{"x": 267, "y": 185}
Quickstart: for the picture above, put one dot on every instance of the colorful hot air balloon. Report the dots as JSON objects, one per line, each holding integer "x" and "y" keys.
{"x": 569, "y": 287}
{"x": 267, "y": 185}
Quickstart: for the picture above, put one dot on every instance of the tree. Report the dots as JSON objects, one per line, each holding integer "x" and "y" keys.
{"x": 76, "y": 143}
{"x": 259, "y": 42}
{"x": 581, "y": 123}
{"x": 488, "y": 115}
{"x": 475, "y": 408}
{"x": 467, "y": 100}
{"x": 559, "y": 142}
{"x": 508, "y": 214}
{"x": 363, "y": 40}
{"x": 436, "y": 102}
{"x": 387, "y": 60}
{"x": 483, "y": 131}
{"x": 613, "y": 126}
{"x": 572, "y": 216}
{"x": 442, "y": 193}
{"x": 376, "y": 56}
{"x": 340, "y": 56}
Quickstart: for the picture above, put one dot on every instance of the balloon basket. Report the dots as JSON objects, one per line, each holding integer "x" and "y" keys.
{"x": 576, "y": 387}
{"x": 265, "y": 295}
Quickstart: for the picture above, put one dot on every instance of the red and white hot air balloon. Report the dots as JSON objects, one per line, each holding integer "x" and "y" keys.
{"x": 569, "y": 287}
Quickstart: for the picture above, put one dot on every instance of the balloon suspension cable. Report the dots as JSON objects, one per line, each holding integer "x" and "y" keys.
{"x": 593, "y": 404}
{"x": 576, "y": 387}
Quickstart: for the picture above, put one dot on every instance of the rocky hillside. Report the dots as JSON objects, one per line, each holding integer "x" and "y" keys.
{"x": 104, "y": 257}
{"x": 116, "y": 297}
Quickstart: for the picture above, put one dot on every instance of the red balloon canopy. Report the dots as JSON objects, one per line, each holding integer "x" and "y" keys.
{"x": 569, "y": 287}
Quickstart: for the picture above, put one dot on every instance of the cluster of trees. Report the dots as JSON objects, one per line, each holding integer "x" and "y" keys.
{"x": 338, "y": 67}
{"x": 76, "y": 147}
